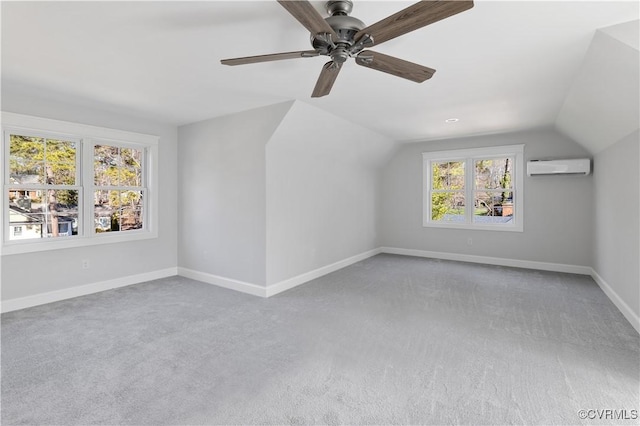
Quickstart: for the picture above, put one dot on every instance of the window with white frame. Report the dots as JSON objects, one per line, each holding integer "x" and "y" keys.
{"x": 68, "y": 184}
{"x": 474, "y": 188}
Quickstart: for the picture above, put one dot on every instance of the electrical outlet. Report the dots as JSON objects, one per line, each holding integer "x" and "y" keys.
{"x": 85, "y": 264}
{"x": 470, "y": 241}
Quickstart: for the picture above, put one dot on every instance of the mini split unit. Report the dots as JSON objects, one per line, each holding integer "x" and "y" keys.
{"x": 581, "y": 166}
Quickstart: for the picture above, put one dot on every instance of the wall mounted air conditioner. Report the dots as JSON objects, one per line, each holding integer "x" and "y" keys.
{"x": 581, "y": 166}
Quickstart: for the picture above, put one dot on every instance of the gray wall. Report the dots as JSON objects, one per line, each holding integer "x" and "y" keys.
{"x": 267, "y": 194}
{"x": 222, "y": 219}
{"x": 33, "y": 273}
{"x": 322, "y": 191}
{"x": 558, "y": 209}
{"x": 616, "y": 256}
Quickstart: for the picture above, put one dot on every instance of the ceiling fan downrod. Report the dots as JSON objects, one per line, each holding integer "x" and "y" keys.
{"x": 339, "y": 7}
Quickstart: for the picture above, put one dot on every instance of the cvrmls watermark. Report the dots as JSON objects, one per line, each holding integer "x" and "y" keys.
{"x": 607, "y": 414}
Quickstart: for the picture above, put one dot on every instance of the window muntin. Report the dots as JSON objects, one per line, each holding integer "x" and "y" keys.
{"x": 474, "y": 189}
{"x": 38, "y": 167}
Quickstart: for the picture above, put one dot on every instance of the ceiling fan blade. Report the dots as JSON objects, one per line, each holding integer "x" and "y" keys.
{"x": 271, "y": 57}
{"x": 308, "y": 16}
{"x": 416, "y": 16}
{"x": 394, "y": 66}
{"x": 327, "y": 77}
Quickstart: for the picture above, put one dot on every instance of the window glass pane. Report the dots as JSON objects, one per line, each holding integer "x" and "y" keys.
{"x": 131, "y": 158}
{"x": 60, "y": 173}
{"x": 60, "y": 162}
{"x": 42, "y": 213}
{"x": 25, "y": 199}
{"x": 106, "y": 206}
{"x": 105, "y": 165}
{"x": 448, "y": 207}
{"x": 118, "y": 210}
{"x": 131, "y": 219}
{"x": 26, "y": 160}
{"x": 115, "y": 166}
{"x": 130, "y": 177}
{"x": 131, "y": 210}
{"x": 493, "y": 207}
{"x": 36, "y": 161}
{"x": 66, "y": 198}
{"x": 448, "y": 175}
{"x": 493, "y": 173}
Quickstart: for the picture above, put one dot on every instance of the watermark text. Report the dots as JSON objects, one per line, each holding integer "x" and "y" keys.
{"x": 608, "y": 414}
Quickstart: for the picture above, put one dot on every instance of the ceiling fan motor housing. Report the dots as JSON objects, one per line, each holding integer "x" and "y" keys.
{"x": 345, "y": 26}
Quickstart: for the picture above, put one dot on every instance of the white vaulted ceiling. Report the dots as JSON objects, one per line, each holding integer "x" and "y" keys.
{"x": 602, "y": 106}
{"x": 503, "y": 65}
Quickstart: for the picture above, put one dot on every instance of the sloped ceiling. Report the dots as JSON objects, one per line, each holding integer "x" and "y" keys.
{"x": 628, "y": 32}
{"x": 339, "y": 140}
{"x": 501, "y": 66}
{"x": 602, "y": 106}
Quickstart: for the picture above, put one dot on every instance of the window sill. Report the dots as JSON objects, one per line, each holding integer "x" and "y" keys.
{"x": 61, "y": 243}
{"x": 499, "y": 228}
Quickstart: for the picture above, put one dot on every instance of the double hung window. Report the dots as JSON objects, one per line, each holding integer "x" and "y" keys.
{"x": 474, "y": 189}
{"x": 67, "y": 184}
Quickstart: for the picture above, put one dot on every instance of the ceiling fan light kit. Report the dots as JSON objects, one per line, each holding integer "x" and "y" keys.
{"x": 340, "y": 37}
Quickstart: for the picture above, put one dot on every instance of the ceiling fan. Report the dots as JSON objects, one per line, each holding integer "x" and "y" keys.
{"x": 341, "y": 36}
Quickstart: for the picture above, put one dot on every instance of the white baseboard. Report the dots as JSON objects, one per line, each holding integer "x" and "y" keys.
{"x": 287, "y": 284}
{"x": 69, "y": 293}
{"x": 516, "y": 263}
{"x": 628, "y": 313}
{"x": 273, "y": 289}
{"x": 258, "y": 290}
{"x": 231, "y": 284}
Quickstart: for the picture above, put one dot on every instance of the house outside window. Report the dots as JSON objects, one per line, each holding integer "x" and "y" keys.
{"x": 73, "y": 185}
{"x": 474, "y": 188}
